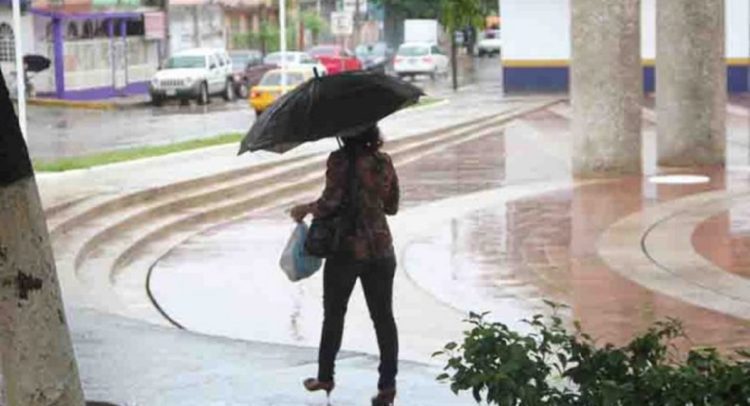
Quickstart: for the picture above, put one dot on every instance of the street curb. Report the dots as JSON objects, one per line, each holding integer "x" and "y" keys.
{"x": 86, "y": 105}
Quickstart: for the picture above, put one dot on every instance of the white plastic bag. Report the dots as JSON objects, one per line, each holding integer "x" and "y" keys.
{"x": 295, "y": 262}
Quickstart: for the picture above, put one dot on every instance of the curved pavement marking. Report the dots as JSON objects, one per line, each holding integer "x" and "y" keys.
{"x": 653, "y": 248}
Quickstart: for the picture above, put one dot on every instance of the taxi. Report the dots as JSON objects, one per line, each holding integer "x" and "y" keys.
{"x": 269, "y": 88}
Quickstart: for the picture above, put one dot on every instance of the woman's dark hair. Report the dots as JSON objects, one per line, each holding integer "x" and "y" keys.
{"x": 369, "y": 139}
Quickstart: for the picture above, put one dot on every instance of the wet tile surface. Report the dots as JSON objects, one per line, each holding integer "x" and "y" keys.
{"x": 505, "y": 258}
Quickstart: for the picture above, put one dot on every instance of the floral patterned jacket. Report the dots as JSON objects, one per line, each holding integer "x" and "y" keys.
{"x": 369, "y": 236}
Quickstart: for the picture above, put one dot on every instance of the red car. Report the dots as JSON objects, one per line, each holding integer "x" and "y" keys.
{"x": 336, "y": 59}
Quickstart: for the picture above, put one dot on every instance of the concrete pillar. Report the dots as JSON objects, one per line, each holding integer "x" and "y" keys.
{"x": 691, "y": 87}
{"x": 606, "y": 87}
{"x": 38, "y": 363}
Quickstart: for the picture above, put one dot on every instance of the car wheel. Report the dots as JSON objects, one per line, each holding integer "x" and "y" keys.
{"x": 228, "y": 91}
{"x": 157, "y": 101}
{"x": 242, "y": 91}
{"x": 203, "y": 98}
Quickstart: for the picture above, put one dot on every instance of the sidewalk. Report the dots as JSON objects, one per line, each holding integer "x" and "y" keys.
{"x": 118, "y": 103}
{"x": 134, "y": 364}
{"x": 146, "y": 364}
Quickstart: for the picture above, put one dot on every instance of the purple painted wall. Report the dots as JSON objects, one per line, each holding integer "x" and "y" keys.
{"x": 99, "y": 93}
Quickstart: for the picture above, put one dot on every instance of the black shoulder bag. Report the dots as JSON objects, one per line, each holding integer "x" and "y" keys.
{"x": 327, "y": 234}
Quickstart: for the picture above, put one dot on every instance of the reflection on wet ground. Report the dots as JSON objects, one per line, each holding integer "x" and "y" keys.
{"x": 503, "y": 258}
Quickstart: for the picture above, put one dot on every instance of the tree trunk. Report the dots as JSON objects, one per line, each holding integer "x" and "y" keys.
{"x": 38, "y": 363}
{"x": 454, "y": 60}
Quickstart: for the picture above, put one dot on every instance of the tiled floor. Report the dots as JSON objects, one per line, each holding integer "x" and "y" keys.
{"x": 513, "y": 254}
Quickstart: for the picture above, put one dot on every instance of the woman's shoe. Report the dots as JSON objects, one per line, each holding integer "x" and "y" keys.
{"x": 384, "y": 397}
{"x": 314, "y": 385}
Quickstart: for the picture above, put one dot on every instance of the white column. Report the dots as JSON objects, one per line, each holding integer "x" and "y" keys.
{"x": 606, "y": 87}
{"x": 691, "y": 84}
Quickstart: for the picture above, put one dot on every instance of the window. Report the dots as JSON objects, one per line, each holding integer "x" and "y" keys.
{"x": 436, "y": 50}
{"x": 186, "y": 62}
{"x": 72, "y": 32}
{"x": 414, "y": 50}
{"x": 7, "y": 43}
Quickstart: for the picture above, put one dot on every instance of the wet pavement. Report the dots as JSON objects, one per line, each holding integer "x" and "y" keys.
{"x": 64, "y": 132}
{"x": 494, "y": 222}
{"x": 516, "y": 245}
{"x": 56, "y": 132}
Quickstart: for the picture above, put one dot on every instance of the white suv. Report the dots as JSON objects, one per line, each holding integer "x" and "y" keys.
{"x": 490, "y": 43}
{"x": 195, "y": 74}
{"x": 418, "y": 58}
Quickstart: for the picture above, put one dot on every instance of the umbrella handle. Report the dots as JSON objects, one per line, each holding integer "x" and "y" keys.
{"x": 315, "y": 71}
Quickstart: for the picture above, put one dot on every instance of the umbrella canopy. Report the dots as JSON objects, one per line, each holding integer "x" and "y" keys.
{"x": 36, "y": 63}
{"x": 331, "y": 106}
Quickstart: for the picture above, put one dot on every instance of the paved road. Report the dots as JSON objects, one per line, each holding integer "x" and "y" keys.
{"x": 62, "y": 132}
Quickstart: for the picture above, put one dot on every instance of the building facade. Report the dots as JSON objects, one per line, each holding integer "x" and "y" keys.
{"x": 536, "y": 44}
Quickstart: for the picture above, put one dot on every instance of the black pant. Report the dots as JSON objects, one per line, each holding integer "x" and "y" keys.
{"x": 339, "y": 277}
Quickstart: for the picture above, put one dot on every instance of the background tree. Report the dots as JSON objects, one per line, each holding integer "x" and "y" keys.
{"x": 38, "y": 363}
{"x": 315, "y": 23}
{"x": 457, "y": 15}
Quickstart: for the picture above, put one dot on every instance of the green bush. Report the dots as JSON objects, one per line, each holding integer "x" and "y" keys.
{"x": 551, "y": 366}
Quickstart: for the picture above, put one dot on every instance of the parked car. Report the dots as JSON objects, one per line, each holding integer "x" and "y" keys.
{"x": 376, "y": 56}
{"x": 296, "y": 59}
{"x": 196, "y": 74}
{"x": 417, "y": 58}
{"x": 243, "y": 63}
{"x": 336, "y": 59}
{"x": 270, "y": 87}
{"x": 490, "y": 43}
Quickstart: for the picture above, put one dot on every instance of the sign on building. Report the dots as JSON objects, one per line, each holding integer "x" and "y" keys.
{"x": 342, "y": 23}
{"x": 154, "y": 25}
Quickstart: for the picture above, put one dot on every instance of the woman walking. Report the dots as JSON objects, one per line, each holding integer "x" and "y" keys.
{"x": 366, "y": 253}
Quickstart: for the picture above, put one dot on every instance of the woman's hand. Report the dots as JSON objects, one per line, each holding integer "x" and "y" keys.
{"x": 299, "y": 212}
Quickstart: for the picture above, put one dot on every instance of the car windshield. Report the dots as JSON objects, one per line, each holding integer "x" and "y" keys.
{"x": 186, "y": 62}
{"x": 240, "y": 60}
{"x": 492, "y": 34}
{"x": 324, "y": 51}
{"x": 275, "y": 58}
{"x": 370, "y": 50}
{"x": 274, "y": 79}
{"x": 414, "y": 50}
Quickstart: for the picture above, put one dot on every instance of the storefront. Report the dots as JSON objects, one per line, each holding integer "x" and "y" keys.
{"x": 96, "y": 54}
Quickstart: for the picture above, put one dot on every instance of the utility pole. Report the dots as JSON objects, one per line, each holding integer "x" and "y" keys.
{"x": 357, "y": 25}
{"x": 282, "y": 40}
{"x": 20, "y": 74}
{"x": 38, "y": 362}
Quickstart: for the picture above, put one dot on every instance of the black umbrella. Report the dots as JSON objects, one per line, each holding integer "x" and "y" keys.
{"x": 36, "y": 63}
{"x": 330, "y": 106}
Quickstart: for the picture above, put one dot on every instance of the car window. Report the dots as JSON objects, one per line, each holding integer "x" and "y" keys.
{"x": 274, "y": 78}
{"x": 493, "y": 34}
{"x": 436, "y": 50}
{"x": 413, "y": 50}
{"x": 275, "y": 58}
{"x": 186, "y": 62}
{"x": 323, "y": 51}
{"x": 242, "y": 60}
